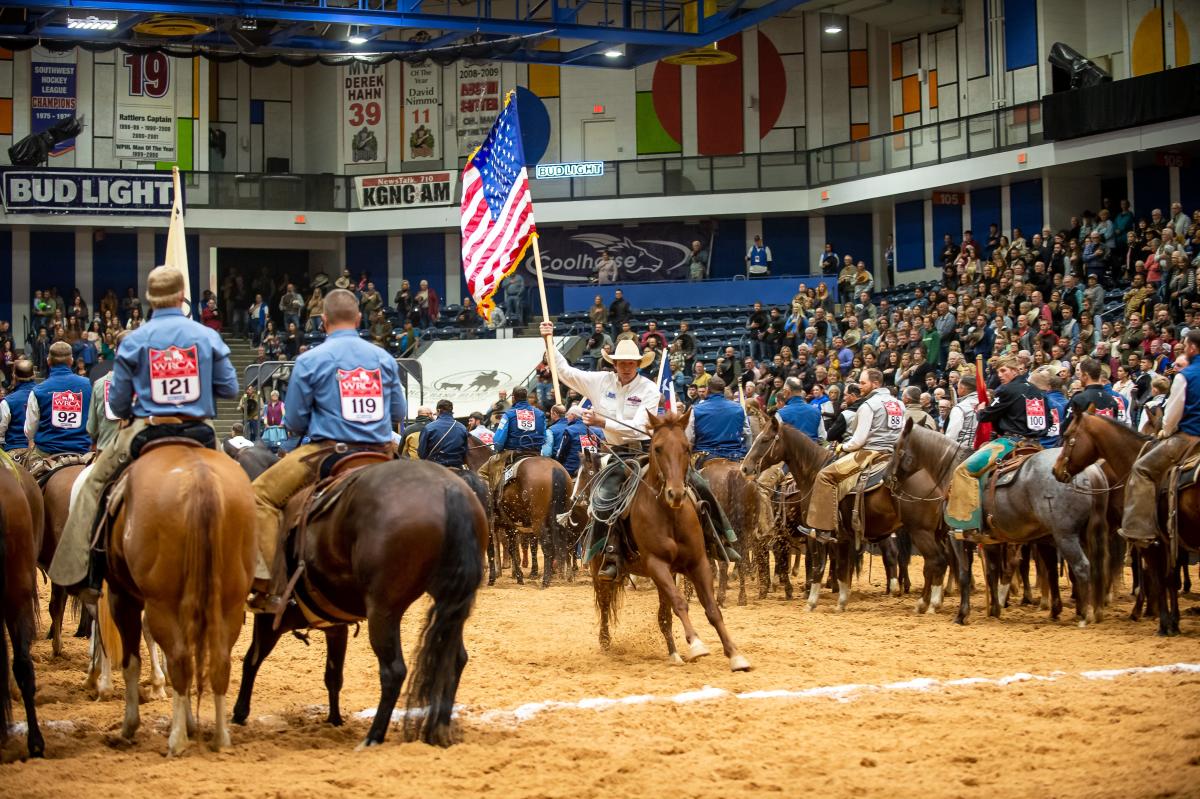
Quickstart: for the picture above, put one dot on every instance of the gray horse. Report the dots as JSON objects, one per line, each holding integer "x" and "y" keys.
{"x": 1034, "y": 506}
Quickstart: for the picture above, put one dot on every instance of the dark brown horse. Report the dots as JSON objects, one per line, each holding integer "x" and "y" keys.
{"x": 182, "y": 549}
{"x": 401, "y": 529}
{"x": 1090, "y": 437}
{"x": 529, "y": 505}
{"x": 669, "y": 540}
{"x": 20, "y": 537}
{"x": 913, "y": 502}
{"x": 56, "y": 494}
{"x": 749, "y": 511}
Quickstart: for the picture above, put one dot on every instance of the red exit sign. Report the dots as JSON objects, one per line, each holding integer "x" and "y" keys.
{"x": 947, "y": 198}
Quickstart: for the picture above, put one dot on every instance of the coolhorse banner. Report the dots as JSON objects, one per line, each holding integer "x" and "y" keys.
{"x": 408, "y": 190}
{"x": 66, "y": 192}
{"x": 645, "y": 252}
{"x": 52, "y": 93}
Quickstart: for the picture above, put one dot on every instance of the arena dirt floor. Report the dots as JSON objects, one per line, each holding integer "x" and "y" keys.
{"x": 871, "y": 702}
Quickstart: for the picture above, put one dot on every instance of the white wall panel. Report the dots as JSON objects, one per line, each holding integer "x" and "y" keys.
{"x": 271, "y": 83}
{"x": 835, "y": 82}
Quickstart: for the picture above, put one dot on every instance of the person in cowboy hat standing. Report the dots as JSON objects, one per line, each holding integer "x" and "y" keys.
{"x": 622, "y": 402}
{"x": 164, "y": 380}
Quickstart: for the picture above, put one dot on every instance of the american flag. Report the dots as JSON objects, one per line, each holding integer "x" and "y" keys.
{"x": 497, "y": 211}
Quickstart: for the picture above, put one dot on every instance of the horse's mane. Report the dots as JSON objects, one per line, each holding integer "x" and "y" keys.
{"x": 936, "y": 452}
{"x": 810, "y": 454}
{"x": 1121, "y": 427}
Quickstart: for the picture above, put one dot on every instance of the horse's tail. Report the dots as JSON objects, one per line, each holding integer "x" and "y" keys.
{"x": 201, "y": 581}
{"x": 441, "y": 654}
{"x": 904, "y": 545}
{"x": 5, "y": 691}
{"x": 559, "y": 500}
{"x": 1096, "y": 539}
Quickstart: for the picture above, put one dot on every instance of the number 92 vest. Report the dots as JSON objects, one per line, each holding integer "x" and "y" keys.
{"x": 63, "y": 400}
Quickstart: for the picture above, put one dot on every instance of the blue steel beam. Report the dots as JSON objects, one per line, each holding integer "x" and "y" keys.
{"x": 642, "y": 45}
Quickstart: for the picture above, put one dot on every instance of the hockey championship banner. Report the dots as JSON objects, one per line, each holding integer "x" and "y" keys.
{"x": 52, "y": 97}
{"x": 364, "y": 118}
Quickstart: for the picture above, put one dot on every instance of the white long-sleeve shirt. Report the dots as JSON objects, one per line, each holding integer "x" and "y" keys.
{"x": 5, "y": 419}
{"x": 632, "y": 403}
{"x": 1173, "y": 410}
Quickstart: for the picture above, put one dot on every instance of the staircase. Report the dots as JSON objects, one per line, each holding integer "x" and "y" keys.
{"x": 241, "y": 355}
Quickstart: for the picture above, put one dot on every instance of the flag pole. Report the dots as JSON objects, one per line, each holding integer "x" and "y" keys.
{"x": 537, "y": 261}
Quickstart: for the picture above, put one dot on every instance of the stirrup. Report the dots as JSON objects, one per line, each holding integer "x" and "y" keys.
{"x": 609, "y": 572}
{"x": 264, "y": 602}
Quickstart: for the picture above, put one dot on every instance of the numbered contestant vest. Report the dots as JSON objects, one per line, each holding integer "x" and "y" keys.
{"x": 887, "y": 420}
{"x": 174, "y": 375}
{"x": 62, "y": 400}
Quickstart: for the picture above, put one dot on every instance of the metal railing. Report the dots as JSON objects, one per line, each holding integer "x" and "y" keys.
{"x": 912, "y": 148}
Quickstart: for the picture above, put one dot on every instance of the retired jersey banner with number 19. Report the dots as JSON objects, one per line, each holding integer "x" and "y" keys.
{"x": 144, "y": 120}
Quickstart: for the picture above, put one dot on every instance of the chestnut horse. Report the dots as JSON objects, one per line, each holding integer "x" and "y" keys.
{"x": 20, "y": 538}
{"x": 665, "y": 529}
{"x": 400, "y": 529}
{"x": 749, "y": 511}
{"x": 530, "y": 503}
{"x": 56, "y": 494}
{"x": 1090, "y": 437}
{"x": 182, "y": 548}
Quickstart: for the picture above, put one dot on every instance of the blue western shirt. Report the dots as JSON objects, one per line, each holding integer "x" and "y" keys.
{"x": 523, "y": 427}
{"x": 720, "y": 428}
{"x": 345, "y": 390}
{"x": 576, "y": 437}
{"x": 804, "y": 417}
{"x": 554, "y": 434}
{"x": 14, "y": 437}
{"x": 1056, "y": 407}
{"x": 62, "y": 403}
{"x": 443, "y": 441}
{"x": 171, "y": 365}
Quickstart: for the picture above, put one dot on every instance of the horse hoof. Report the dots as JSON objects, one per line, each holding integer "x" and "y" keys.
{"x": 739, "y": 663}
{"x": 697, "y": 650}
{"x": 920, "y": 608}
{"x": 1082, "y": 623}
{"x": 809, "y": 607}
{"x": 675, "y": 659}
{"x": 366, "y": 744}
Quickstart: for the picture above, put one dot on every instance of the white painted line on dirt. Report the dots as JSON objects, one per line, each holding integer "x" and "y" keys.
{"x": 839, "y": 693}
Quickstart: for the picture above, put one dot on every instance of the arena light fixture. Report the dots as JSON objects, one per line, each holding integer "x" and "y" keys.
{"x": 614, "y": 53}
{"x": 91, "y": 23}
{"x": 356, "y": 37}
{"x": 831, "y": 24}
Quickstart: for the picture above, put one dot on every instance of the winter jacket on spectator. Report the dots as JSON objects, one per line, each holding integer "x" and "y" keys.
{"x": 618, "y": 311}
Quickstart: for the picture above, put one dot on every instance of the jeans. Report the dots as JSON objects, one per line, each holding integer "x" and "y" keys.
{"x": 251, "y": 426}
{"x": 288, "y": 319}
{"x": 512, "y": 309}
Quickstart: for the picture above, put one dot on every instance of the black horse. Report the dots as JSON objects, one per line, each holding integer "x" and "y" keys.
{"x": 400, "y": 529}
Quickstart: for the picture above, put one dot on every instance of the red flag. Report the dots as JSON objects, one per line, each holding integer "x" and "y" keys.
{"x": 983, "y": 430}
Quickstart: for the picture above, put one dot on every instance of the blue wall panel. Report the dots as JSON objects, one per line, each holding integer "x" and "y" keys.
{"x": 192, "y": 245}
{"x": 114, "y": 264}
{"x": 946, "y": 219}
{"x": 985, "y": 210}
{"x": 1151, "y": 189}
{"x": 850, "y": 235}
{"x": 728, "y": 256}
{"x": 910, "y": 236}
{"x": 1020, "y": 33}
{"x": 1025, "y": 207}
{"x": 9, "y": 311}
{"x": 787, "y": 236}
{"x": 704, "y": 294}
{"x": 369, "y": 254}
{"x": 52, "y": 261}
{"x": 424, "y": 259}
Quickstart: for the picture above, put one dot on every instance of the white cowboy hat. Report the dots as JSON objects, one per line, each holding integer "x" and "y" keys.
{"x": 628, "y": 351}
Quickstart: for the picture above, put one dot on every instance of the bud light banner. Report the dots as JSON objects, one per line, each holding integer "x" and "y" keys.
{"x": 52, "y": 191}
{"x": 643, "y": 253}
